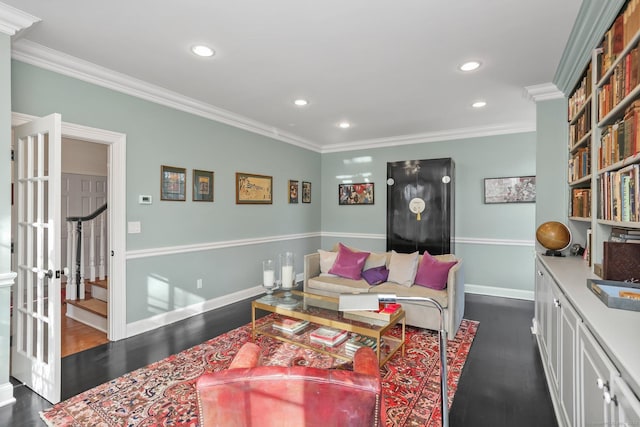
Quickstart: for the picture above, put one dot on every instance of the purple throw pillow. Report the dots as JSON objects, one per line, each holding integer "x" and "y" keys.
{"x": 348, "y": 263}
{"x": 376, "y": 275}
{"x": 433, "y": 273}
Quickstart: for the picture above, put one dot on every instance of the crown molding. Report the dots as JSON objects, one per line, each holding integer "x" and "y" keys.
{"x": 543, "y": 92}
{"x": 58, "y": 62}
{"x": 594, "y": 18}
{"x": 439, "y": 136}
{"x": 13, "y": 20}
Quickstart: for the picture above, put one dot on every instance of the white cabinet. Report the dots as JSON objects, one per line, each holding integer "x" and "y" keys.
{"x": 585, "y": 385}
{"x": 556, "y": 328}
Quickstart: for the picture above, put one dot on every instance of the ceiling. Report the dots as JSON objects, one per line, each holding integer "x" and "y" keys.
{"x": 387, "y": 67}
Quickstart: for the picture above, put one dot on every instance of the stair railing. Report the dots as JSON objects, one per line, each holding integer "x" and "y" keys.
{"x": 76, "y": 254}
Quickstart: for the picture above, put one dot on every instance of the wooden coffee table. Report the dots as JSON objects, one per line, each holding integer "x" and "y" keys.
{"x": 323, "y": 311}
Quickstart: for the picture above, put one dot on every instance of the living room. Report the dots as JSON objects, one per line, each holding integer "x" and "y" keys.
{"x": 191, "y": 257}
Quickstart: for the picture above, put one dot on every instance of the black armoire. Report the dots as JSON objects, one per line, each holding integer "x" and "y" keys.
{"x": 420, "y": 201}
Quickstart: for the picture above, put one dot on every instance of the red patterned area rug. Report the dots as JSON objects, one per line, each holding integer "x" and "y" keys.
{"x": 163, "y": 393}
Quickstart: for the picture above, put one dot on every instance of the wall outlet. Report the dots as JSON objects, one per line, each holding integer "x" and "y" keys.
{"x": 199, "y": 283}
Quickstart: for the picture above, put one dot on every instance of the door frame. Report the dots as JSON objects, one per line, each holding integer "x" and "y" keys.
{"x": 116, "y": 200}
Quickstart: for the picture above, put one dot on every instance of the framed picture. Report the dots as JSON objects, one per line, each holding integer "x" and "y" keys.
{"x": 293, "y": 191}
{"x": 173, "y": 183}
{"x": 355, "y": 194}
{"x": 253, "y": 189}
{"x": 202, "y": 186}
{"x": 518, "y": 189}
{"x": 306, "y": 192}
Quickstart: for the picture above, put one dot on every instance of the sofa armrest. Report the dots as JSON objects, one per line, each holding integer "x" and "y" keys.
{"x": 247, "y": 357}
{"x": 311, "y": 267}
{"x": 455, "y": 296}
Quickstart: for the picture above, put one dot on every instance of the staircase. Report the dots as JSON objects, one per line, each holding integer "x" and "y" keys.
{"x": 93, "y": 309}
{"x": 87, "y": 297}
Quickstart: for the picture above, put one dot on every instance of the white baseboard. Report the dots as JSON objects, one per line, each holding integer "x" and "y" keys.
{"x": 164, "y": 319}
{"x": 6, "y": 394}
{"x": 499, "y": 292}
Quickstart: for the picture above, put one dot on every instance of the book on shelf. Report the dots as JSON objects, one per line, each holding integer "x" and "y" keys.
{"x": 289, "y": 325}
{"x": 384, "y": 313}
{"x": 328, "y": 336}
{"x": 581, "y": 202}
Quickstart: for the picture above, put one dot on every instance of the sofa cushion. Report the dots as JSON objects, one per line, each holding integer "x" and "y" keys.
{"x": 337, "y": 285}
{"x": 403, "y": 267}
{"x": 376, "y": 275}
{"x": 348, "y": 263}
{"x": 433, "y": 273}
{"x": 327, "y": 259}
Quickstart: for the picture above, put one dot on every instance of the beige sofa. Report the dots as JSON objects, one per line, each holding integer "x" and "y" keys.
{"x": 420, "y": 314}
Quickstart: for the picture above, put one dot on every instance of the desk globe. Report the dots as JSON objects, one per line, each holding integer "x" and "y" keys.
{"x": 554, "y": 236}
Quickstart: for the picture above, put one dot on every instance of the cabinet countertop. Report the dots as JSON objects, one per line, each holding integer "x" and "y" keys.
{"x": 617, "y": 331}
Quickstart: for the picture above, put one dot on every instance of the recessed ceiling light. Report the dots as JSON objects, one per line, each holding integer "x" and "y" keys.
{"x": 301, "y": 102}
{"x": 479, "y": 104}
{"x": 202, "y": 50}
{"x": 344, "y": 125}
{"x": 469, "y": 66}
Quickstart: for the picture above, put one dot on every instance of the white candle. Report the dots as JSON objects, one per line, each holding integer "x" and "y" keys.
{"x": 287, "y": 276}
{"x": 267, "y": 278}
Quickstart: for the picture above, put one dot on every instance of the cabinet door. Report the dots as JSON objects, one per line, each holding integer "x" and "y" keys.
{"x": 569, "y": 322}
{"x": 553, "y": 330}
{"x": 541, "y": 297}
{"x": 626, "y": 404}
{"x": 595, "y": 371}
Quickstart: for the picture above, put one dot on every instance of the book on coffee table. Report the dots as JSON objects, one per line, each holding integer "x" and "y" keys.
{"x": 289, "y": 325}
{"x": 385, "y": 313}
{"x": 328, "y": 336}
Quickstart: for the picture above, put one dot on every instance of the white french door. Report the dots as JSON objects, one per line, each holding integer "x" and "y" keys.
{"x": 35, "y": 350}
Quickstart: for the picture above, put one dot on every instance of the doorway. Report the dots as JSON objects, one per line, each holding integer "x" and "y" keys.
{"x": 116, "y": 182}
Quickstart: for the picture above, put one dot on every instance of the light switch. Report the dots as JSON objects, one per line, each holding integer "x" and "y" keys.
{"x": 133, "y": 227}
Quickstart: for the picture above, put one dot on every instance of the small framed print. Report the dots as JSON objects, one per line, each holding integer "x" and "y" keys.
{"x": 517, "y": 189}
{"x": 202, "y": 186}
{"x": 253, "y": 189}
{"x": 293, "y": 191}
{"x": 173, "y": 182}
{"x": 355, "y": 194}
{"x": 306, "y": 192}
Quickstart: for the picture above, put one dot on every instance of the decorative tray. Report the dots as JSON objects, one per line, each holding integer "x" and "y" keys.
{"x": 615, "y": 294}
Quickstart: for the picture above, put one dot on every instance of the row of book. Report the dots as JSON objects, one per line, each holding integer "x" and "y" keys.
{"x": 581, "y": 95}
{"x": 580, "y": 164}
{"x": 621, "y": 139}
{"x": 358, "y": 341}
{"x": 580, "y": 202}
{"x": 625, "y": 235}
{"x": 619, "y": 194}
{"x": 622, "y": 31}
{"x": 581, "y": 127}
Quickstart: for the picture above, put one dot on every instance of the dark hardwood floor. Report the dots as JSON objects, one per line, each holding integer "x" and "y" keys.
{"x": 502, "y": 384}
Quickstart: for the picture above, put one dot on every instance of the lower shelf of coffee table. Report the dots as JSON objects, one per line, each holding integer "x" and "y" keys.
{"x": 389, "y": 345}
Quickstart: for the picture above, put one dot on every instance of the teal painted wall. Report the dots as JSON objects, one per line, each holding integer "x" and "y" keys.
{"x": 5, "y": 212}
{"x": 477, "y": 225}
{"x": 157, "y": 135}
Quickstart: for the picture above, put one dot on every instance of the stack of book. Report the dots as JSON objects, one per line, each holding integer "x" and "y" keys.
{"x": 625, "y": 235}
{"x": 328, "y": 336}
{"x": 357, "y": 341}
{"x": 288, "y": 325}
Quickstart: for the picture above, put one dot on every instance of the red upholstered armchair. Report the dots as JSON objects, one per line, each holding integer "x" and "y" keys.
{"x": 249, "y": 395}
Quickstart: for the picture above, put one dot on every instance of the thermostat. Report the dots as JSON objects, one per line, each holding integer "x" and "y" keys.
{"x": 144, "y": 200}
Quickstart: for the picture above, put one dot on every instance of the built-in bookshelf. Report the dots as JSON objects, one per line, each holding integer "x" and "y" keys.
{"x": 615, "y": 136}
{"x": 580, "y": 137}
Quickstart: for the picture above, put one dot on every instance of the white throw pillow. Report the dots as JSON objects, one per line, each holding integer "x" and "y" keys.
{"x": 375, "y": 260}
{"x": 403, "y": 267}
{"x": 327, "y": 259}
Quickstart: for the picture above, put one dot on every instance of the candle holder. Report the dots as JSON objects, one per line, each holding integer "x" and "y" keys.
{"x": 269, "y": 280}
{"x": 287, "y": 279}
